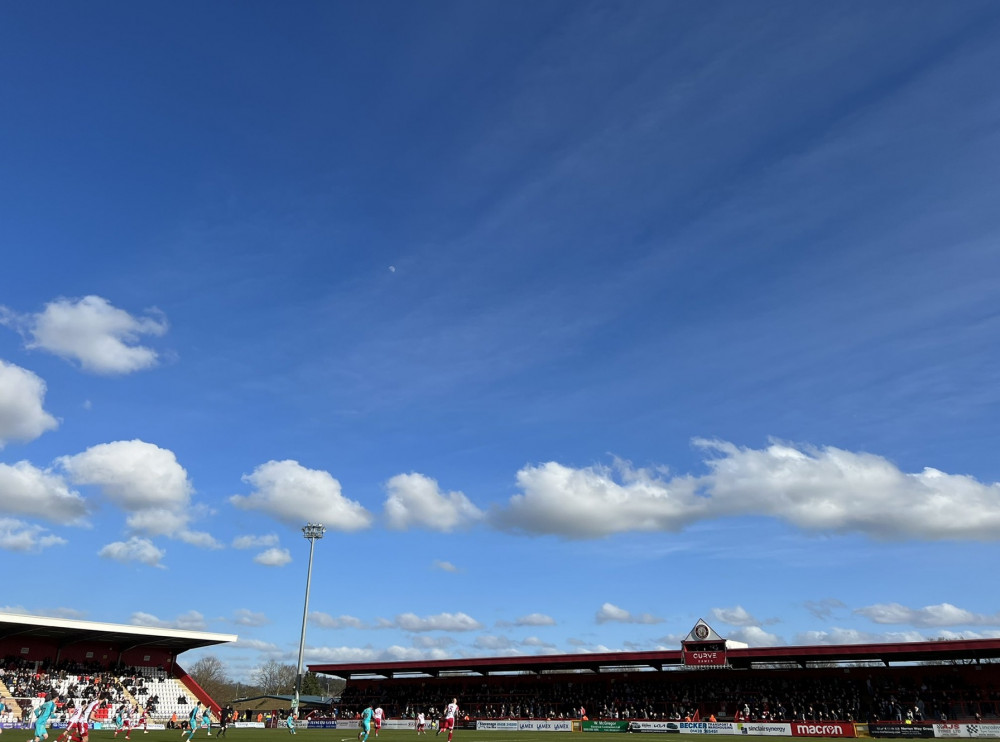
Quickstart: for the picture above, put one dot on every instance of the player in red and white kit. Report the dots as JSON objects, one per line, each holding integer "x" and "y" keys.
{"x": 421, "y": 723}
{"x": 448, "y": 721}
{"x": 78, "y": 729}
{"x": 377, "y": 715}
{"x": 142, "y": 719}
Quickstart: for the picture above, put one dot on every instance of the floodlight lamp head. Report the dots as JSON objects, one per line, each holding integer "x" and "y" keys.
{"x": 313, "y": 530}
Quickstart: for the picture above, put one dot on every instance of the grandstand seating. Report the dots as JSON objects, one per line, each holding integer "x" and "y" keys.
{"x": 152, "y": 688}
{"x": 834, "y": 693}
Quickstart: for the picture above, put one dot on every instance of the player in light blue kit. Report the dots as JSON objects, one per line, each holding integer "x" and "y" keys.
{"x": 42, "y": 714}
{"x": 290, "y": 722}
{"x": 366, "y": 723}
{"x": 206, "y": 719}
{"x": 193, "y": 721}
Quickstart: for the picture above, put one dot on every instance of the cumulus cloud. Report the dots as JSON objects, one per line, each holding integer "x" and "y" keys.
{"x": 273, "y": 557}
{"x": 255, "y": 542}
{"x": 440, "y": 622}
{"x": 444, "y": 566}
{"x": 246, "y": 617}
{"x": 493, "y": 642}
{"x": 100, "y": 337}
{"x": 16, "y": 535}
{"x": 190, "y": 621}
{"x": 535, "y": 619}
{"x": 737, "y": 616}
{"x": 136, "y": 549}
{"x": 537, "y": 643}
{"x": 839, "y": 635}
{"x": 819, "y": 489}
{"x": 144, "y": 480}
{"x": 423, "y": 641}
{"x": 943, "y": 614}
{"x": 755, "y": 636}
{"x": 597, "y": 501}
{"x": 293, "y": 494}
{"x": 394, "y": 653}
{"x": 415, "y": 500}
{"x": 257, "y": 645}
{"x": 28, "y": 490}
{"x": 611, "y": 613}
{"x": 22, "y": 410}
{"x": 326, "y": 621}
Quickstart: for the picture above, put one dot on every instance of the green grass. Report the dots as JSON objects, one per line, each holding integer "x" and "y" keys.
{"x": 389, "y": 735}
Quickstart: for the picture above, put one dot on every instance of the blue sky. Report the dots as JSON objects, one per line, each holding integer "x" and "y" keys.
{"x": 573, "y": 322}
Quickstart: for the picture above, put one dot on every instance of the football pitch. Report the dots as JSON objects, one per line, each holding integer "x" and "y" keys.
{"x": 387, "y": 735}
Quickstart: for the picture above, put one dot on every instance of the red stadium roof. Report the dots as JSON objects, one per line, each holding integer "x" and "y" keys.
{"x": 965, "y": 649}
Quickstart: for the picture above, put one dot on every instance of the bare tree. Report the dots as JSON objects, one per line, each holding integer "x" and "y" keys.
{"x": 210, "y": 674}
{"x": 273, "y": 678}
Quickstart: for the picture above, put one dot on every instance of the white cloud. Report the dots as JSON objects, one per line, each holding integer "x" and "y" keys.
{"x": 439, "y": 622}
{"x": 943, "y": 614}
{"x": 612, "y": 613}
{"x": 492, "y": 642}
{"x": 838, "y": 635}
{"x": 136, "y": 549}
{"x": 144, "y": 480}
{"x": 535, "y": 619}
{"x": 755, "y": 636}
{"x": 102, "y": 338}
{"x": 369, "y": 654}
{"x": 296, "y": 495}
{"x": 534, "y": 641}
{"x": 824, "y": 608}
{"x": 190, "y": 621}
{"x": 255, "y": 542}
{"x": 246, "y": 617}
{"x": 825, "y": 489}
{"x": 444, "y": 566}
{"x": 16, "y": 535}
{"x": 591, "y": 502}
{"x": 737, "y": 616}
{"x": 415, "y": 500}
{"x": 22, "y": 413}
{"x": 326, "y": 621}
{"x": 256, "y": 644}
{"x": 28, "y": 490}
{"x": 273, "y": 557}
{"x": 432, "y": 642}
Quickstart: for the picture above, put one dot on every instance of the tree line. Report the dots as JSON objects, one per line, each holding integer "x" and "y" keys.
{"x": 271, "y": 678}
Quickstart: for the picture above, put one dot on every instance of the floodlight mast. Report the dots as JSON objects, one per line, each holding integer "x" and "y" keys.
{"x": 313, "y": 532}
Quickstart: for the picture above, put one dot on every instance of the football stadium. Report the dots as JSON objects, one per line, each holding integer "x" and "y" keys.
{"x": 129, "y": 680}
{"x": 630, "y": 367}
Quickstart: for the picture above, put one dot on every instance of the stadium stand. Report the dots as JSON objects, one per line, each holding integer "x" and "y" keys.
{"x": 83, "y": 661}
{"x": 889, "y": 682}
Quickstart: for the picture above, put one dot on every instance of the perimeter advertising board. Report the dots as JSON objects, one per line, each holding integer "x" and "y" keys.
{"x": 654, "y": 727}
{"x": 605, "y": 726}
{"x": 497, "y": 725}
{"x": 900, "y": 730}
{"x": 764, "y": 729}
{"x": 823, "y": 729}
{"x": 707, "y": 727}
{"x": 544, "y": 725}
